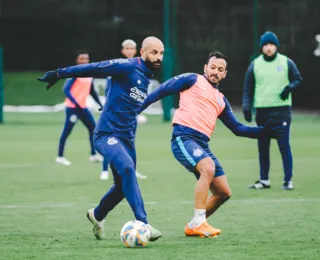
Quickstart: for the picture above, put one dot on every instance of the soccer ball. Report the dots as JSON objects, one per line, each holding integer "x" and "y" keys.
{"x": 135, "y": 234}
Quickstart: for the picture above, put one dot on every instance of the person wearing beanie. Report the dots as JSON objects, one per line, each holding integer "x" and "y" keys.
{"x": 268, "y": 84}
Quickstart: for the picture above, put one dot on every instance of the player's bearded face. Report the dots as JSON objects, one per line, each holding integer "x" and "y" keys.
{"x": 153, "y": 55}
{"x": 269, "y": 49}
{"x": 215, "y": 70}
{"x": 154, "y": 58}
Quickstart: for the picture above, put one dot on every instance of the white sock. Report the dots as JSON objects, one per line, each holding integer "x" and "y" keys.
{"x": 198, "y": 219}
{"x": 265, "y": 182}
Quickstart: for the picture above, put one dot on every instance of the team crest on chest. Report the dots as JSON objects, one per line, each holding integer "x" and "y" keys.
{"x": 279, "y": 68}
{"x": 220, "y": 101}
{"x": 197, "y": 152}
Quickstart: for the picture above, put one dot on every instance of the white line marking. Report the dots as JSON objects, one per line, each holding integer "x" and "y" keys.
{"x": 245, "y": 201}
{"x": 17, "y": 165}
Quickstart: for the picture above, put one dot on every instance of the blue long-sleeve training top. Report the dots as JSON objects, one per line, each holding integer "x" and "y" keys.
{"x": 130, "y": 81}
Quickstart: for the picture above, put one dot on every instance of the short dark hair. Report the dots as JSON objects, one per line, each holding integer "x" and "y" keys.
{"x": 218, "y": 55}
{"x": 78, "y": 53}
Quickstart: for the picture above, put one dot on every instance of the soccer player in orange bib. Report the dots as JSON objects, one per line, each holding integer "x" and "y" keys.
{"x": 201, "y": 104}
{"x": 77, "y": 91}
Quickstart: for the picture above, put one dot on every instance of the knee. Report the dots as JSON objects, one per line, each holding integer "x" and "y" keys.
{"x": 225, "y": 195}
{"x": 208, "y": 171}
{"x": 125, "y": 170}
{"x": 91, "y": 129}
{"x": 284, "y": 146}
{"x": 64, "y": 136}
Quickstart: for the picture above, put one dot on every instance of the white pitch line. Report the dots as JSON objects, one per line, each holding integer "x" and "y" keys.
{"x": 245, "y": 201}
{"x": 17, "y": 165}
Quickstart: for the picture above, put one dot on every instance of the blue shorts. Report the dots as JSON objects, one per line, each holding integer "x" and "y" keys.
{"x": 190, "y": 151}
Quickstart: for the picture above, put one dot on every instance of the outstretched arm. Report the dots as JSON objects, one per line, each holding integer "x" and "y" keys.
{"x": 229, "y": 120}
{"x": 97, "y": 69}
{"x": 171, "y": 86}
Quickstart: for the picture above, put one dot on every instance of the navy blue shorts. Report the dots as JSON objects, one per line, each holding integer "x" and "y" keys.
{"x": 190, "y": 151}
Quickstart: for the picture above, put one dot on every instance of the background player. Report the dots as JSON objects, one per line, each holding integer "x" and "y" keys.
{"x": 77, "y": 91}
{"x": 129, "y": 50}
{"x": 116, "y": 128}
{"x": 194, "y": 121}
{"x": 269, "y": 81}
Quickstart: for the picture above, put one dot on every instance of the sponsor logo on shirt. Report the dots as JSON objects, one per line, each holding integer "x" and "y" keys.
{"x": 137, "y": 94}
{"x": 182, "y": 75}
{"x": 120, "y": 61}
{"x": 112, "y": 141}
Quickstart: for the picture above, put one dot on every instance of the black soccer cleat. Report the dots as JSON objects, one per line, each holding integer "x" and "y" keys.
{"x": 259, "y": 185}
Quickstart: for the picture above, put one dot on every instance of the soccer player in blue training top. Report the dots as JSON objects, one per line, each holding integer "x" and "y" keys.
{"x": 129, "y": 50}
{"x": 115, "y": 131}
{"x": 201, "y": 104}
{"x": 77, "y": 91}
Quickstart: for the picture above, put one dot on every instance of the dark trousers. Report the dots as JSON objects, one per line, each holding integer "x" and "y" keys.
{"x": 72, "y": 116}
{"x": 281, "y": 116}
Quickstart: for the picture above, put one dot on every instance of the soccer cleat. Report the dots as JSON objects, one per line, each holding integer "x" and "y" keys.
{"x": 63, "y": 161}
{"x": 98, "y": 229}
{"x": 141, "y": 176}
{"x": 204, "y": 230}
{"x": 95, "y": 158}
{"x": 288, "y": 185}
{"x": 104, "y": 175}
{"x": 154, "y": 233}
{"x": 259, "y": 185}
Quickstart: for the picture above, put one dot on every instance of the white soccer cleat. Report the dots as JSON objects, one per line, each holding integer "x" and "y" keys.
{"x": 104, "y": 175}
{"x": 141, "y": 176}
{"x": 63, "y": 161}
{"x": 95, "y": 158}
{"x": 287, "y": 185}
{"x": 98, "y": 229}
{"x": 154, "y": 233}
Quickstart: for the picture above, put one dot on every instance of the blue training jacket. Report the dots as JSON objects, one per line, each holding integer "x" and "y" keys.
{"x": 130, "y": 81}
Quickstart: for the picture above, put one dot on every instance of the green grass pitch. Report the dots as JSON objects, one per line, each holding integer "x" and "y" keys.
{"x": 43, "y": 205}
